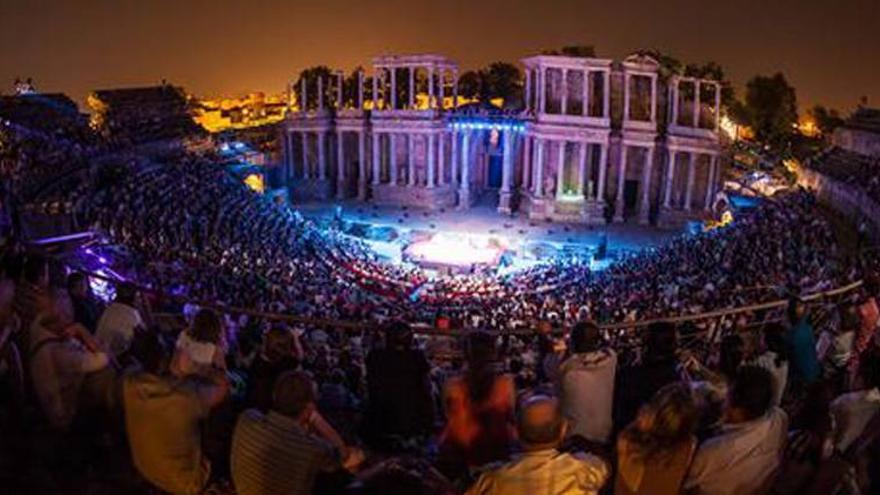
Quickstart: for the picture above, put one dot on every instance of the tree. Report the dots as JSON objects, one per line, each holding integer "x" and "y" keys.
{"x": 771, "y": 109}
{"x": 583, "y": 51}
{"x": 311, "y": 76}
{"x": 470, "y": 84}
{"x": 502, "y": 80}
{"x": 350, "y": 87}
{"x": 827, "y": 119}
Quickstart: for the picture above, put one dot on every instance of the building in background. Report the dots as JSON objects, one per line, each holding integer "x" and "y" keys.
{"x": 253, "y": 110}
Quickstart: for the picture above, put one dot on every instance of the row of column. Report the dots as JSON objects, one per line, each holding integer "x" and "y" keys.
{"x": 534, "y": 154}
{"x": 697, "y": 103}
{"x": 540, "y": 82}
{"x": 691, "y": 180}
{"x": 380, "y": 75}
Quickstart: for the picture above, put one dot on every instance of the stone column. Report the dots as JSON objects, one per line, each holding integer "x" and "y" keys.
{"x": 362, "y": 166}
{"x": 392, "y": 158}
{"x": 621, "y": 180}
{"x": 360, "y": 102}
{"x": 645, "y": 206}
{"x": 393, "y": 71}
{"x": 441, "y": 91}
{"x": 692, "y": 172}
{"x": 563, "y": 107}
{"x": 339, "y": 82}
{"x": 674, "y": 98}
{"x": 304, "y": 103}
{"x": 560, "y": 171}
{"x": 306, "y": 173}
{"x": 464, "y": 191}
{"x": 527, "y": 105}
{"x": 377, "y": 159}
{"x": 654, "y": 98}
{"x": 430, "y": 160}
{"x": 412, "y": 87}
{"x": 538, "y": 164}
{"x": 585, "y": 96}
{"x": 710, "y": 181}
{"x": 455, "y": 90}
{"x": 376, "y": 91}
{"x": 696, "y": 122}
{"x": 526, "y": 163}
{"x": 626, "y": 78}
{"x": 340, "y": 165}
{"x": 582, "y": 168}
{"x": 320, "y": 94}
{"x": 603, "y": 170}
{"x": 454, "y": 160}
{"x": 606, "y": 95}
{"x": 322, "y": 158}
{"x": 507, "y": 162}
{"x": 411, "y": 160}
{"x": 441, "y": 158}
{"x": 431, "y": 90}
{"x": 670, "y": 177}
{"x": 542, "y": 92}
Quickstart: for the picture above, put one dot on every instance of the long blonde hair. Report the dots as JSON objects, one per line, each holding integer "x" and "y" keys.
{"x": 668, "y": 419}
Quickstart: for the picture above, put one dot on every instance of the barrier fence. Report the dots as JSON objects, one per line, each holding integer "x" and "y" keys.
{"x": 422, "y": 328}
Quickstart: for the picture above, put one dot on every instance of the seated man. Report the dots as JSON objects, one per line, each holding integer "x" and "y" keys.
{"x": 541, "y": 469}
{"x": 118, "y": 322}
{"x": 744, "y": 456}
{"x": 586, "y": 384}
{"x": 282, "y": 451}
{"x": 69, "y": 373}
{"x": 854, "y": 410}
{"x": 162, "y": 418}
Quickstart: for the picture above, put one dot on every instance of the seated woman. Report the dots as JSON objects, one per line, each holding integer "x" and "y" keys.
{"x": 479, "y": 404}
{"x": 654, "y": 452}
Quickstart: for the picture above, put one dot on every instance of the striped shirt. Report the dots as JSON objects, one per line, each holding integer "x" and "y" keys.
{"x": 272, "y": 454}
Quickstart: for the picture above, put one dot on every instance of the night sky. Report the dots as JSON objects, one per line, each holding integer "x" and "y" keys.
{"x": 828, "y": 49}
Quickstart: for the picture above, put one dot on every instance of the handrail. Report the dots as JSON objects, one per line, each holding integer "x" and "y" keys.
{"x": 427, "y": 329}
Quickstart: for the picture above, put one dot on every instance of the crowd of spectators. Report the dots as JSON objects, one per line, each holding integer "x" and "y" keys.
{"x": 238, "y": 404}
{"x": 526, "y": 394}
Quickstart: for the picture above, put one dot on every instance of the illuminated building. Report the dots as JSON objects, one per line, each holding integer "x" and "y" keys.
{"x": 253, "y": 110}
{"x": 592, "y": 136}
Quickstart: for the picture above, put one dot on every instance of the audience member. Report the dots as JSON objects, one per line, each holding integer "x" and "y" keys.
{"x": 479, "y": 407}
{"x": 70, "y": 374}
{"x": 398, "y": 389}
{"x": 586, "y": 384}
{"x": 284, "y": 450}
{"x": 542, "y": 469}
{"x": 163, "y": 414}
{"x": 744, "y": 455}
{"x": 655, "y": 451}
{"x": 119, "y": 322}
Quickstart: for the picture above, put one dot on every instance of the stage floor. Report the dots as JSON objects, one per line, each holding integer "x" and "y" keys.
{"x": 484, "y": 220}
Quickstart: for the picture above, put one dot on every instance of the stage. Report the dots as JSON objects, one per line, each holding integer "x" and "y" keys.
{"x": 477, "y": 239}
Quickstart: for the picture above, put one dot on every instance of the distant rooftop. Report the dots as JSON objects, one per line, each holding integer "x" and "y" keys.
{"x": 864, "y": 119}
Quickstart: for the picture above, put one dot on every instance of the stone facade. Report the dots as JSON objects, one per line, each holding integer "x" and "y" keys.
{"x": 588, "y": 145}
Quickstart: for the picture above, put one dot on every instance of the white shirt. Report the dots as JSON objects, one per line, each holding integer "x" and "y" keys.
{"x": 852, "y": 412}
{"x": 741, "y": 459}
{"x": 58, "y": 368}
{"x": 779, "y": 373}
{"x": 586, "y": 383}
{"x": 115, "y": 329}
